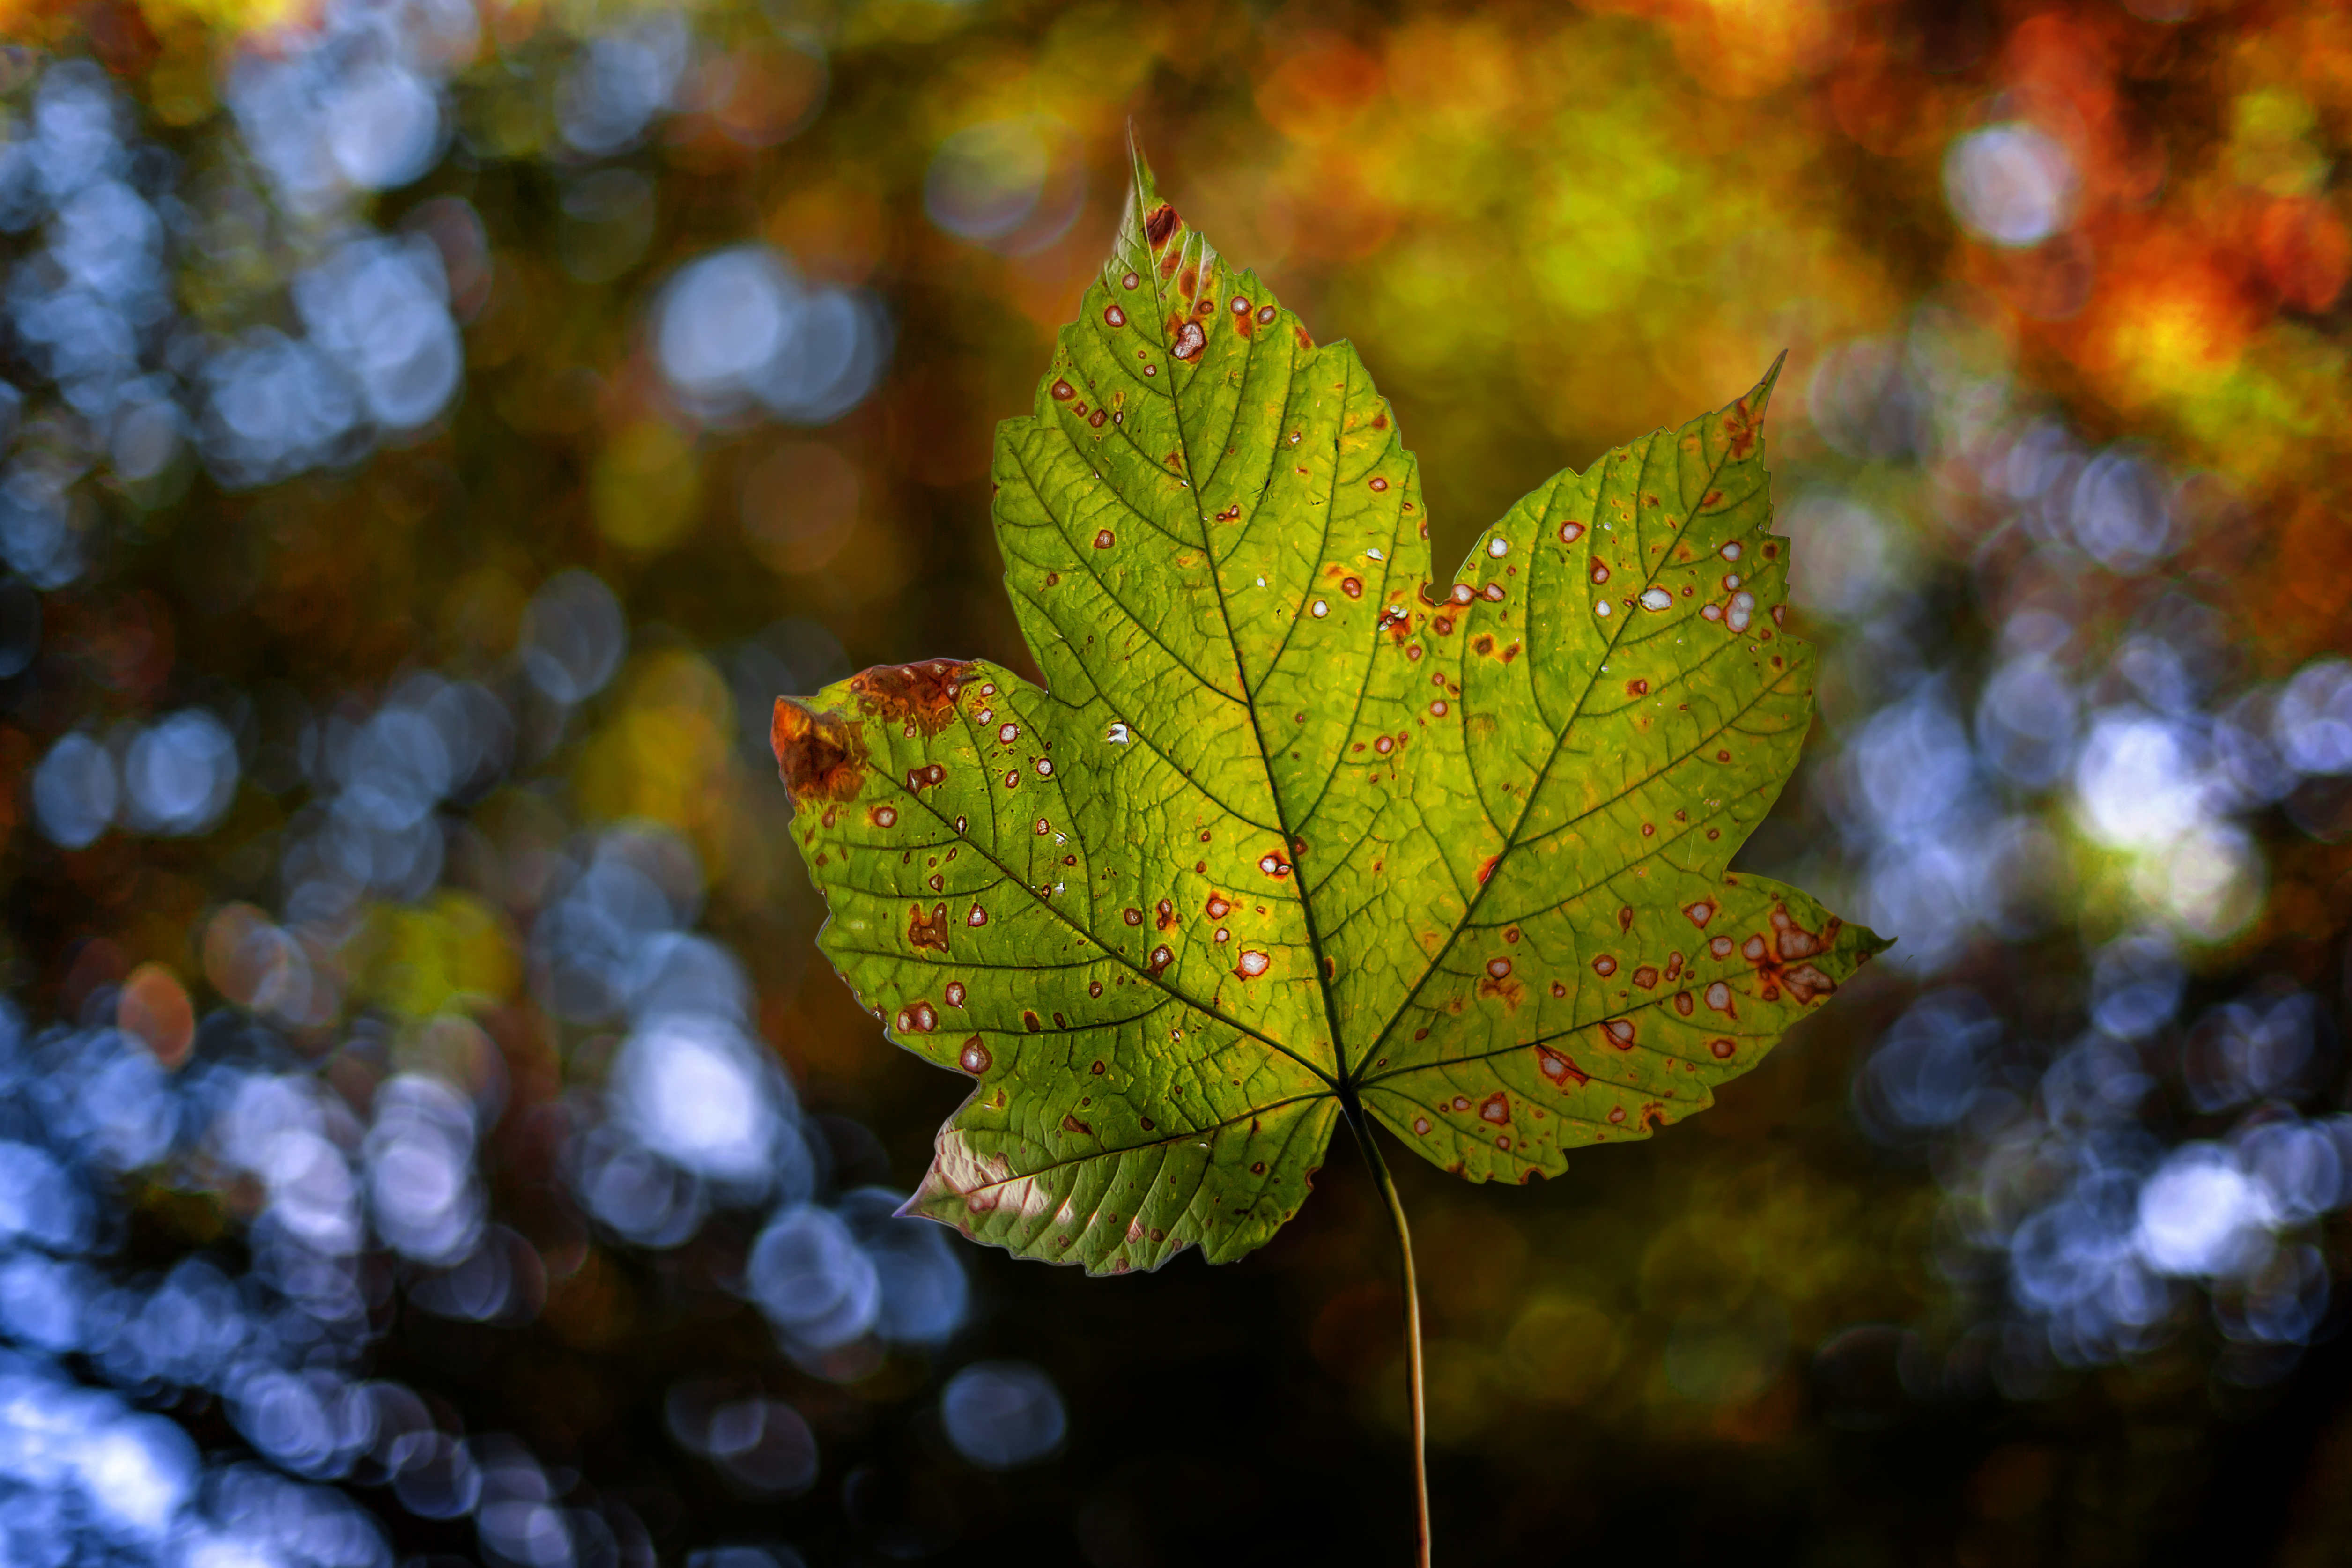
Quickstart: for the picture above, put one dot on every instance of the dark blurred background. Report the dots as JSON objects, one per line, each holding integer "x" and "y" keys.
{"x": 434, "y": 433}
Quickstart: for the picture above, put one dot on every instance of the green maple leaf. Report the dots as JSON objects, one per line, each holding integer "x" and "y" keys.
{"x": 1296, "y": 831}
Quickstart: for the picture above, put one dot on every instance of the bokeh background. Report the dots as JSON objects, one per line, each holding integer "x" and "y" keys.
{"x": 434, "y": 433}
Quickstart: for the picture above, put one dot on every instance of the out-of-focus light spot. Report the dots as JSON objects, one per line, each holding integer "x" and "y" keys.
{"x": 1866, "y": 403}
{"x": 394, "y": 771}
{"x": 1926, "y": 1072}
{"x": 137, "y": 1472}
{"x": 384, "y": 127}
{"x": 809, "y": 1275}
{"x": 1844, "y": 558}
{"x": 637, "y": 1192}
{"x": 436, "y": 1476}
{"x": 2306, "y": 251}
{"x": 2137, "y": 781}
{"x": 2286, "y": 1299}
{"x": 154, "y": 1009}
{"x": 381, "y": 309}
{"x": 180, "y": 775}
{"x": 771, "y": 1556}
{"x": 277, "y": 1128}
{"x": 2299, "y": 1167}
{"x": 1001, "y": 1414}
{"x": 2072, "y": 1252}
{"x": 41, "y": 527}
{"x": 258, "y": 964}
{"x": 2011, "y": 184}
{"x": 761, "y": 1444}
{"x": 74, "y": 792}
{"x": 2025, "y": 721}
{"x": 272, "y": 407}
{"x": 516, "y": 1517}
{"x": 727, "y": 316}
{"x": 615, "y": 86}
{"x": 2210, "y": 880}
{"x": 1014, "y": 186}
{"x": 678, "y": 973}
{"x": 420, "y": 1170}
{"x": 695, "y": 1091}
{"x": 2121, "y": 515}
{"x": 2247, "y": 1049}
{"x": 573, "y": 635}
{"x": 1913, "y": 762}
{"x": 311, "y": 1423}
{"x": 148, "y": 428}
{"x": 640, "y": 885}
{"x": 43, "y": 1302}
{"x": 2137, "y": 982}
{"x": 2312, "y": 723}
{"x": 759, "y": 95}
{"x": 2249, "y": 762}
{"x": 737, "y": 329}
{"x": 2200, "y": 1214}
{"x": 342, "y": 107}
{"x": 501, "y": 1281}
{"x": 2158, "y": 672}
{"x": 924, "y": 1292}
{"x": 195, "y": 1329}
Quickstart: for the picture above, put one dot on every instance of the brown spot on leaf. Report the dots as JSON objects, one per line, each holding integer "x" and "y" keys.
{"x": 1497, "y": 984}
{"x": 931, "y": 933}
{"x": 1559, "y": 1070}
{"x": 820, "y": 756}
{"x": 921, "y": 694}
{"x": 1742, "y": 428}
{"x": 1159, "y": 225}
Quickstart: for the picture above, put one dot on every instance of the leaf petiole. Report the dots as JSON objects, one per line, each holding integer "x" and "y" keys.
{"x": 1367, "y": 1140}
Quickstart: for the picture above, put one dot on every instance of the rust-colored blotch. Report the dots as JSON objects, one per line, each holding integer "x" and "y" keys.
{"x": 921, "y": 694}
{"x": 819, "y": 756}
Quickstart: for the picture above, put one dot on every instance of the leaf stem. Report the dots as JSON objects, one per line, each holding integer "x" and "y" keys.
{"x": 1366, "y": 1136}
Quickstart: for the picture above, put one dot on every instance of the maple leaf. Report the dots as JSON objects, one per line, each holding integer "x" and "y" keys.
{"x": 1297, "y": 832}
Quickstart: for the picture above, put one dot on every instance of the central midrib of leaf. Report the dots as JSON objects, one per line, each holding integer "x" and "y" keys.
{"x": 1282, "y": 825}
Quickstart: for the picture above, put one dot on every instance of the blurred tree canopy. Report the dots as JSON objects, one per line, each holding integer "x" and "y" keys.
{"x": 436, "y": 433}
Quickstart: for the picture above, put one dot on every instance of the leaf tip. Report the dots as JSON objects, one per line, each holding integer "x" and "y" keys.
{"x": 1760, "y": 397}
{"x": 1149, "y": 218}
